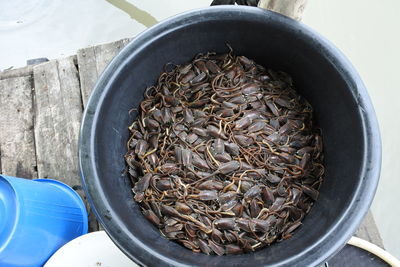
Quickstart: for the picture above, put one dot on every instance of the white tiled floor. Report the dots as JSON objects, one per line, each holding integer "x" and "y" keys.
{"x": 367, "y": 31}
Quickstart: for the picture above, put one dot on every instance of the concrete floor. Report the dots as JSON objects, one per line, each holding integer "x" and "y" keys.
{"x": 366, "y": 31}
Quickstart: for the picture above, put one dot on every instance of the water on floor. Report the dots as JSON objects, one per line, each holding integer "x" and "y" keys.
{"x": 55, "y": 28}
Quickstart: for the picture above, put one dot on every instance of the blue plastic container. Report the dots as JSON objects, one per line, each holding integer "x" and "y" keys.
{"x": 37, "y": 217}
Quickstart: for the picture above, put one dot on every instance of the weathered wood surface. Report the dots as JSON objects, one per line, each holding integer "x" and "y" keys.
{"x": 290, "y": 8}
{"x": 20, "y": 72}
{"x": 58, "y": 113}
{"x": 92, "y": 61}
{"x": 44, "y": 132}
{"x": 17, "y": 146}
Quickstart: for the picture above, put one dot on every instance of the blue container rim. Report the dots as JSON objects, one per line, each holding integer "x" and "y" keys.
{"x": 74, "y": 195}
{"x": 8, "y": 223}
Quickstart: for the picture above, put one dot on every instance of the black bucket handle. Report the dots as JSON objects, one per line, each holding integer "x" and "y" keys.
{"x": 232, "y": 2}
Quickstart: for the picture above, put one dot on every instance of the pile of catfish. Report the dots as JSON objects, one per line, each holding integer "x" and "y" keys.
{"x": 223, "y": 156}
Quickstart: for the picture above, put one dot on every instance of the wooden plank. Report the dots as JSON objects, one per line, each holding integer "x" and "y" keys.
{"x": 57, "y": 117}
{"x": 92, "y": 61}
{"x": 369, "y": 231}
{"x": 17, "y": 144}
{"x": 87, "y": 71}
{"x": 58, "y": 112}
{"x": 13, "y": 73}
{"x": 290, "y": 8}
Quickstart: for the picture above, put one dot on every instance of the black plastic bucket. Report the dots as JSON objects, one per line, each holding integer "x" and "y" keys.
{"x": 320, "y": 72}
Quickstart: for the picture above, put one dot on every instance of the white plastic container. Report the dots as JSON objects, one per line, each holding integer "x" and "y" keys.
{"x": 91, "y": 250}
